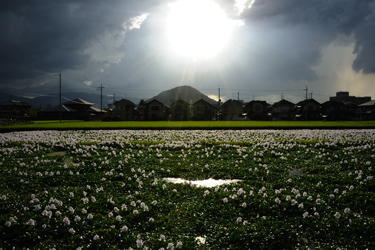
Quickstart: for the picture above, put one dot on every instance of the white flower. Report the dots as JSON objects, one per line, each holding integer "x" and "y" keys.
{"x": 154, "y": 202}
{"x": 144, "y": 206}
{"x": 244, "y": 205}
{"x": 170, "y": 246}
{"x": 8, "y": 223}
{"x": 84, "y": 211}
{"x": 96, "y": 237}
{"x": 72, "y": 231}
{"x": 337, "y": 215}
{"x": 135, "y": 212}
{"x": 139, "y": 243}
{"x": 31, "y": 222}
{"x": 288, "y": 198}
{"x": 200, "y": 240}
{"x": 305, "y": 214}
{"x": 239, "y": 220}
{"x": 124, "y": 229}
{"x": 151, "y": 220}
{"x": 178, "y": 244}
{"x": 206, "y": 192}
{"x": 77, "y": 218}
{"x": 118, "y": 218}
{"x": 277, "y": 200}
{"x": 347, "y": 210}
{"x": 90, "y": 216}
{"x": 300, "y": 205}
{"x": 66, "y": 221}
{"x": 71, "y": 210}
{"x": 225, "y": 200}
{"x": 162, "y": 237}
{"x": 47, "y": 213}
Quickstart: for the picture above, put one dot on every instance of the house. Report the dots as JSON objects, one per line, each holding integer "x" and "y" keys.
{"x": 14, "y": 110}
{"x": 180, "y": 111}
{"x": 366, "y": 111}
{"x": 308, "y": 110}
{"x": 232, "y": 110}
{"x": 76, "y": 109}
{"x": 57, "y": 113}
{"x": 344, "y": 97}
{"x": 156, "y": 111}
{"x": 283, "y": 110}
{"x": 257, "y": 110}
{"x": 124, "y": 110}
{"x": 203, "y": 111}
{"x": 337, "y": 111}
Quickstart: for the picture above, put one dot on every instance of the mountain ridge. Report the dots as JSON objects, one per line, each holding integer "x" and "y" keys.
{"x": 184, "y": 92}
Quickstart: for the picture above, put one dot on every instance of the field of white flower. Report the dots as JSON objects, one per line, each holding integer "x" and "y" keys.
{"x": 118, "y": 189}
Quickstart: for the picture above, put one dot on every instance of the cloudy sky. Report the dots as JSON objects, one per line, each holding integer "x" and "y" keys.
{"x": 260, "y": 48}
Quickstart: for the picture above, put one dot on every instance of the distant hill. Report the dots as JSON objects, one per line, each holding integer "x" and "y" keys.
{"x": 185, "y": 93}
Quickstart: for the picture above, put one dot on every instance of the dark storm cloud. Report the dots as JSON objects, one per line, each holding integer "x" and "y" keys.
{"x": 329, "y": 18}
{"x": 281, "y": 42}
{"x": 46, "y": 36}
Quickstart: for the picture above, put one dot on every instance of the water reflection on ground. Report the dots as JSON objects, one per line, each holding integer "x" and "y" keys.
{"x": 202, "y": 183}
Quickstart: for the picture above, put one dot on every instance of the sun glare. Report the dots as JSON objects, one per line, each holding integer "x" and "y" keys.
{"x": 197, "y": 29}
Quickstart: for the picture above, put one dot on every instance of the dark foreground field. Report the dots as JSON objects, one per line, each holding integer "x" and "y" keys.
{"x": 107, "y": 189}
{"x": 65, "y": 125}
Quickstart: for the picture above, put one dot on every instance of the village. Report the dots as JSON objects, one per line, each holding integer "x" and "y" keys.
{"x": 341, "y": 107}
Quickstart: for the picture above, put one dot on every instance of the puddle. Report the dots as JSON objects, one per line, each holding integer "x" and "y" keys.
{"x": 202, "y": 183}
{"x": 58, "y": 153}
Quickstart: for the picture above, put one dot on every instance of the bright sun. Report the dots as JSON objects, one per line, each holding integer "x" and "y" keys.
{"x": 197, "y": 29}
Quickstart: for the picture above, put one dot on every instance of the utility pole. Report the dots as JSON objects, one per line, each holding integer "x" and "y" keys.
{"x": 219, "y": 113}
{"x": 60, "y": 88}
{"x": 311, "y": 95}
{"x": 238, "y": 96}
{"x": 306, "y": 91}
{"x": 60, "y": 106}
{"x": 101, "y": 96}
{"x": 219, "y": 97}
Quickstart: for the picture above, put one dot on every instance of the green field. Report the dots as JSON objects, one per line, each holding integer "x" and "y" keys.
{"x": 185, "y": 124}
{"x": 95, "y": 189}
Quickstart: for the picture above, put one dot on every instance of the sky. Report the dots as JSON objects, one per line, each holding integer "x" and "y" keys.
{"x": 261, "y": 49}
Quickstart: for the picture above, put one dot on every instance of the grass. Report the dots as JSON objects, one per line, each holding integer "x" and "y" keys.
{"x": 293, "y": 194}
{"x": 67, "y": 124}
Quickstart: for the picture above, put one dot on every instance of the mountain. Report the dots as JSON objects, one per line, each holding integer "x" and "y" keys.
{"x": 185, "y": 93}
